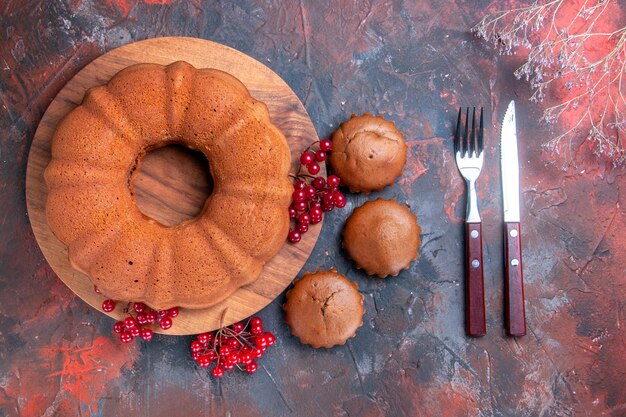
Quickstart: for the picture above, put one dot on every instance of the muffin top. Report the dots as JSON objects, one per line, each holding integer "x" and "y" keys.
{"x": 368, "y": 153}
{"x": 324, "y": 309}
{"x": 382, "y": 237}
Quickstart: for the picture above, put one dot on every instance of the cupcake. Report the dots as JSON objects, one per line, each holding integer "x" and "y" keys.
{"x": 324, "y": 309}
{"x": 368, "y": 154}
{"x": 382, "y": 237}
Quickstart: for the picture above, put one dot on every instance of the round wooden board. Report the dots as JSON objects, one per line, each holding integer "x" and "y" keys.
{"x": 165, "y": 169}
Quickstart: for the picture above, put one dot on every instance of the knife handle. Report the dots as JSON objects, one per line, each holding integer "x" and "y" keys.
{"x": 514, "y": 282}
{"x": 474, "y": 284}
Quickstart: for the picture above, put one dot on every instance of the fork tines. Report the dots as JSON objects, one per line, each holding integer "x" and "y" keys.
{"x": 468, "y": 153}
{"x": 470, "y": 143}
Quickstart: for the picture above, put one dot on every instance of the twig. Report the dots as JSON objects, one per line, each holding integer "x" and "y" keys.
{"x": 558, "y": 57}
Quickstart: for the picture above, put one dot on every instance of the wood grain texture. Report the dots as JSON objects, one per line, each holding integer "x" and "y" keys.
{"x": 172, "y": 184}
{"x": 161, "y": 189}
{"x": 514, "y": 281}
{"x": 475, "y": 287}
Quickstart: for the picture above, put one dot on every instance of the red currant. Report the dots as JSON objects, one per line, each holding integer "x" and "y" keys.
{"x": 135, "y": 331}
{"x": 327, "y": 206}
{"x": 294, "y": 236}
{"x": 333, "y": 181}
{"x": 233, "y": 358}
{"x": 298, "y": 195}
{"x": 251, "y": 368}
{"x": 270, "y": 338}
{"x": 319, "y": 183}
{"x": 292, "y": 212}
{"x": 165, "y": 323}
{"x": 173, "y": 312}
{"x": 339, "y": 200}
{"x": 204, "y": 361}
{"x": 126, "y": 337}
{"x": 314, "y": 212}
{"x": 304, "y": 218}
{"x": 313, "y": 168}
{"x": 224, "y": 350}
{"x": 326, "y": 145}
{"x": 316, "y": 219}
{"x": 218, "y": 372}
{"x": 326, "y": 196}
{"x": 320, "y": 156}
{"x": 306, "y": 158}
{"x": 300, "y": 205}
{"x": 245, "y": 358}
{"x": 261, "y": 341}
{"x": 129, "y": 322}
{"x": 139, "y": 307}
{"x": 299, "y": 185}
{"x": 151, "y": 317}
{"x": 97, "y": 290}
{"x": 303, "y": 227}
{"x": 234, "y": 343}
{"x": 108, "y": 306}
{"x": 310, "y": 192}
{"x": 229, "y": 350}
{"x": 146, "y": 334}
{"x": 203, "y": 338}
{"x": 141, "y": 319}
{"x": 118, "y": 327}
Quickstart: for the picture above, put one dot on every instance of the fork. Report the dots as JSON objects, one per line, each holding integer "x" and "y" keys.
{"x": 468, "y": 151}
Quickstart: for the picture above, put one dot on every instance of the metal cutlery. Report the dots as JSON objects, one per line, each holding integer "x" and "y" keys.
{"x": 468, "y": 151}
{"x": 514, "y": 282}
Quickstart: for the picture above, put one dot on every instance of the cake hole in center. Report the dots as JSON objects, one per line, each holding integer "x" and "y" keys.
{"x": 172, "y": 184}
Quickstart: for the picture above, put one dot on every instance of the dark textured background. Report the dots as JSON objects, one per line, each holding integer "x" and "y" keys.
{"x": 415, "y": 62}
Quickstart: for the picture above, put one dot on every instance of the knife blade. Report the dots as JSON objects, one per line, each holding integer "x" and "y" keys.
{"x": 514, "y": 281}
{"x": 510, "y": 166}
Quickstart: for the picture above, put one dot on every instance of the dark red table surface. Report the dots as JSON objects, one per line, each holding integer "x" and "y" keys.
{"x": 415, "y": 62}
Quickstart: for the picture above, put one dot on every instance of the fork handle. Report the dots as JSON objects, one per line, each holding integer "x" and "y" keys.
{"x": 514, "y": 281}
{"x": 474, "y": 287}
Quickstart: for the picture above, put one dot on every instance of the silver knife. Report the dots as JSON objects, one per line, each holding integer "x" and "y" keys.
{"x": 514, "y": 281}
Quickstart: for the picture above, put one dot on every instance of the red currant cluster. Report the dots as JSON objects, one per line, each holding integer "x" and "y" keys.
{"x": 237, "y": 346}
{"x": 313, "y": 196}
{"x": 140, "y": 318}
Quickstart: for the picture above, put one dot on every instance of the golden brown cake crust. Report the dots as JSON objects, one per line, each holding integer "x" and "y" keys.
{"x": 91, "y": 205}
{"x": 324, "y": 309}
{"x": 368, "y": 154}
{"x": 382, "y": 237}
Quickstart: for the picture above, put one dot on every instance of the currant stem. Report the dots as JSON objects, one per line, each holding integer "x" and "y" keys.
{"x": 311, "y": 145}
{"x": 304, "y": 175}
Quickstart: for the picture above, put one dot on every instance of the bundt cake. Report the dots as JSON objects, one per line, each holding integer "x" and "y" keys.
{"x": 91, "y": 205}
